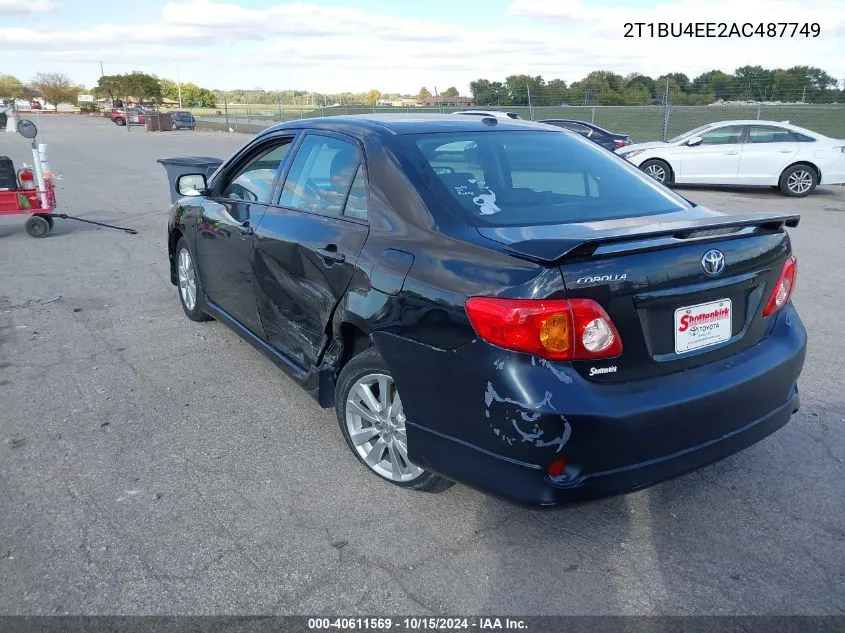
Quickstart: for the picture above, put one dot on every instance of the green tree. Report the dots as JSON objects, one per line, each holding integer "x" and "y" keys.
{"x": 481, "y": 91}
{"x": 144, "y": 87}
{"x": 10, "y": 87}
{"x": 555, "y": 94}
{"x": 636, "y": 95}
{"x": 56, "y": 88}
{"x": 451, "y": 92}
{"x": 423, "y": 94}
{"x": 518, "y": 88}
{"x": 600, "y": 87}
{"x": 194, "y": 96}
{"x": 634, "y": 81}
{"x": 715, "y": 82}
{"x": 755, "y": 82}
{"x": 108, "y": 87}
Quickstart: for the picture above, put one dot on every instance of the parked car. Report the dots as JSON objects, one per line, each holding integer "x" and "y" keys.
{"x": 779, "y": 155}
{"x": 3, "y": 121}
{"x": 558, "y": 326}
{"x": 119, "y": 115}
{"x": 493, "y": 113}
{"x": 608, "y": 140}
{"x": 183, "y": 120}
{"x": 35, "y": 105}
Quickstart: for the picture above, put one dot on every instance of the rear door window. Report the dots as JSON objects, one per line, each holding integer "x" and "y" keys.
{"x": 321, "y": 175}
{"x": 769, "y": 134}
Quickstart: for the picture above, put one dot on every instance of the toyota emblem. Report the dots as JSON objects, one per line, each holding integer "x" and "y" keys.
{"x": 713, "y": 262}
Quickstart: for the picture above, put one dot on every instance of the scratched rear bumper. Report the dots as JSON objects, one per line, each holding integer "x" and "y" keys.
{"x": 495, "y": 419}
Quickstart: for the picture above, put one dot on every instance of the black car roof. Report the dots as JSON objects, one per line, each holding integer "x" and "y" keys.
{"x": 409, "y": 123}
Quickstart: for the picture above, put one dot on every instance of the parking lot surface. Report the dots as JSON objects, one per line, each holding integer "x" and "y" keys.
{"x": 152, "y": 465}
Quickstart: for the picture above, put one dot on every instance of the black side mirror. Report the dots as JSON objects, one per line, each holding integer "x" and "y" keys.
{"x": 191, "y": 184}
{"x": 27, "y": 129}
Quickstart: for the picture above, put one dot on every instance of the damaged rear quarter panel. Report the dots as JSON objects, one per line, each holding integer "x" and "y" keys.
{"x": 503, "y": 402}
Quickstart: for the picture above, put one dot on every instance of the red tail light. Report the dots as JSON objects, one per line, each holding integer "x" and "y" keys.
{"x": 556, "y": 329}
{"x": 621, "y": 142}
{"x": 784, "y": 286}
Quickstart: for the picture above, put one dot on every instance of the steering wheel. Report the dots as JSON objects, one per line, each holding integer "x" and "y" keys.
{"x": 316, "y": 195}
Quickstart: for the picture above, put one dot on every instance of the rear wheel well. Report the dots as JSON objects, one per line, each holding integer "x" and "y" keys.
{"x": 808, "y": 164}
{"x": 354, "y": 340}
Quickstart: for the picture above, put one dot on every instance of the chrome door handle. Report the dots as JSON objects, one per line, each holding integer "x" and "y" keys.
{"x": 732, "y": 153}
{"x": 785, "y": 151}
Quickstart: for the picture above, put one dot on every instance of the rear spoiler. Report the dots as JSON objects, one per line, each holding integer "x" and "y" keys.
{"x": 551, "y": 251}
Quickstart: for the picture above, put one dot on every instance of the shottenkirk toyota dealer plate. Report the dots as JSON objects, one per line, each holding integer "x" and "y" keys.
{"x": 702, "y": 325}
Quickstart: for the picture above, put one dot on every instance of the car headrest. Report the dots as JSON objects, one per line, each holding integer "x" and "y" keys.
{"x": 345, "y": 159}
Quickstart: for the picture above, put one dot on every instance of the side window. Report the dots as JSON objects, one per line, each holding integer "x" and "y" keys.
{"x": 769, "y": 134}
{"x": 321, "y": 175}
{"x": 356, "y": 203}
{"x": 803, "y": 138}
{"x": 254, "y": 183}
{"x": 729, "y": 135}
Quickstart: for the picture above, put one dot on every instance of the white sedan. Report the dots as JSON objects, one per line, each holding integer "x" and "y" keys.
{"x": 744, "y": 153}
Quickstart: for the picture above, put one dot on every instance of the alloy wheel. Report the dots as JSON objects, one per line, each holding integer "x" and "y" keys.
{"x": 657, "y": 172}
{"x": 375, "y": 421}
{"x": 799, "y": 181}
{"x": 187, "y": 279}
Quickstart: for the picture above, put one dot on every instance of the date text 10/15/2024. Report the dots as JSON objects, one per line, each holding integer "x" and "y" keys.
{"x": 722, "y": 29}
{"x": 417, "y": 624}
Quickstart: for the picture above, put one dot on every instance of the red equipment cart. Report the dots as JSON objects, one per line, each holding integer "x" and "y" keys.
{"x": 30, "y": 202}
{"x": 29, "y": 191}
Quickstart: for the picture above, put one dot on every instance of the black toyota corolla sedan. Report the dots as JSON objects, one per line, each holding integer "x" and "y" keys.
{"x": 495, "y": 302}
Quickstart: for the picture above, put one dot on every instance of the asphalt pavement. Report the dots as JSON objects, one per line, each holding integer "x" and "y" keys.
{"x": 152, "y": 465}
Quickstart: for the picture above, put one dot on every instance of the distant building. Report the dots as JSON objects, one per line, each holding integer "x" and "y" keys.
{"x": 456, "y": 102}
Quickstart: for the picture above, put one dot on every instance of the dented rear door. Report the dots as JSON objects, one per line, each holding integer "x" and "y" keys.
{"x": 307, "y": 245}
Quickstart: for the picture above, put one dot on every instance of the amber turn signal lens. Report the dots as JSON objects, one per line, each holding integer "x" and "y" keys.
{"x": 555, "y": 333}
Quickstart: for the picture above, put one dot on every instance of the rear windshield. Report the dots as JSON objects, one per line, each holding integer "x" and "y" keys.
{"x": 512, "y": 178}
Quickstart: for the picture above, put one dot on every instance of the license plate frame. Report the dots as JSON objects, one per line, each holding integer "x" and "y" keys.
{"x": 705, "y": 331}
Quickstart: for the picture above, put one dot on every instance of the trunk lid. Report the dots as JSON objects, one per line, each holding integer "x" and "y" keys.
{"x": 649, "y": 274}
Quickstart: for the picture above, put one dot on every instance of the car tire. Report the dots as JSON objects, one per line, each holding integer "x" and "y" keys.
{"x": 188, "y": 283}
{"x": 798, "y": 181}
{"x": 120, "y": 122}
{"x": 377, "y": 437}
{"x": 659, "y": 170}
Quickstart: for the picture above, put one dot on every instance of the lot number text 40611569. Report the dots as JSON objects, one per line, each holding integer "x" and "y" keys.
{"x": 722, "y": 29}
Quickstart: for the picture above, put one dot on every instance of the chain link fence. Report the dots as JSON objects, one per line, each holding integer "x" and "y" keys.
{"x": 642, "y": 123}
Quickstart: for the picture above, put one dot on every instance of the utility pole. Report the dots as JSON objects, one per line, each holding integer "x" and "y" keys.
{"x": 179, "y": 85}
{"x": 530, "y": 111}
{"x": 665, "y": 110}
{"x": 102, "y": 74}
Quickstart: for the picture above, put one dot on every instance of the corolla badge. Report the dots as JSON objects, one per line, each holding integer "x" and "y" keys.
{"x": 713, "y": 262}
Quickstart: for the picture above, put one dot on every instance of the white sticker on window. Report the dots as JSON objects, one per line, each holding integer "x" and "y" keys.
{"x": 486, "y": 203}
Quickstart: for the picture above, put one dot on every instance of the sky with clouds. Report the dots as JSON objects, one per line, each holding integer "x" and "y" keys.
{"x": 396, "y": 45}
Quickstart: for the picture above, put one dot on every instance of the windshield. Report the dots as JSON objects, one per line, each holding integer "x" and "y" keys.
{"x": 513, "y": 178}
{"x": 681, "y": 137}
